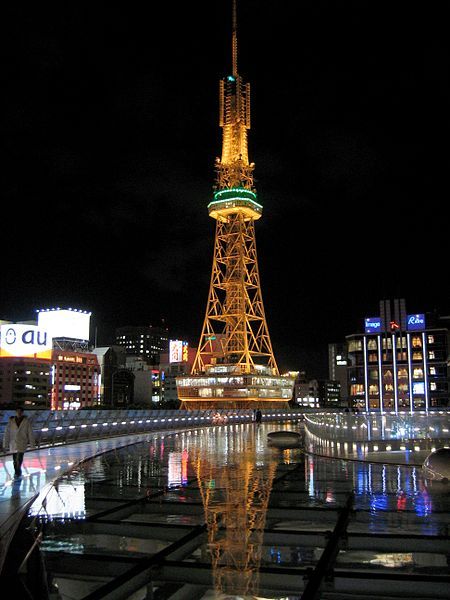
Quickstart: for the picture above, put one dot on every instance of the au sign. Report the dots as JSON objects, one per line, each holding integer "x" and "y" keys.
{"x": 25, "y": 341}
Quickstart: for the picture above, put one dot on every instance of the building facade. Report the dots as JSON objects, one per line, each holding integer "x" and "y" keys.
{"x": 76, "y": 380}
{"x": 112, "y": 360}
{"x": 25, "y": 381}
{"x": 337, "y": 369}
{"x": 147, "y": 382}
{"x": 316, "y": 393}
{"x": 176, "y": 363}
{"x": 400, "y": 362}
{"x": 148, "y": 342}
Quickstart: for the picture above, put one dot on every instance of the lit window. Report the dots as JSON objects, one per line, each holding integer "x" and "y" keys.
{"x": 433, "y": 386}
{"x": 431, "y": 339}
{"x": 431, "y": 355}
{"x": 432, "y": 370}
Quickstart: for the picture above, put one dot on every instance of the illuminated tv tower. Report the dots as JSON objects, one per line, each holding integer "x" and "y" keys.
{"x": 235, "y": 366}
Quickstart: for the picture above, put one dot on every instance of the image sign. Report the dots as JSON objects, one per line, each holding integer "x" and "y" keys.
{"x": 372, "y": 325}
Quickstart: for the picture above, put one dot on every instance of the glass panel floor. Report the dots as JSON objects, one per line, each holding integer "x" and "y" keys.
{"x": 216, "y": 513}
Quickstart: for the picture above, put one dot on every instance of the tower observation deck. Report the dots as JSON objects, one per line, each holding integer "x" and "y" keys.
{"x": 235, "y": 365}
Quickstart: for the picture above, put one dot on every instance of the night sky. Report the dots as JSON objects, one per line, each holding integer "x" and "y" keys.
{"x": 110, "y": 125}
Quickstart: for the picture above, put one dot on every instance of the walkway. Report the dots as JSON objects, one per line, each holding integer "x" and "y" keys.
{"x": 40, "y": 469}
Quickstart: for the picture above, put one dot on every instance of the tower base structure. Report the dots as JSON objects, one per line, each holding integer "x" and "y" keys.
{"x": 229, "y": 387}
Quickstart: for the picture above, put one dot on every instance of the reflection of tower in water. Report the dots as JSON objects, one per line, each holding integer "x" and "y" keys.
{"x": 235, "y": 496}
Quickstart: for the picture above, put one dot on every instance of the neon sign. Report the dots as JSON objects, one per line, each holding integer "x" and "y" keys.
{"x": 372, "y": 324}
{"x": 415, "y": 322}
{"x": 25, "y": 341}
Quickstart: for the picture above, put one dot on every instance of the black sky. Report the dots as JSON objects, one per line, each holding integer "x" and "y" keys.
{"x": 111, "y": 131}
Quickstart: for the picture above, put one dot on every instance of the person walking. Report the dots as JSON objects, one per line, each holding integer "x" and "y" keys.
{"x": 18, "y": 435}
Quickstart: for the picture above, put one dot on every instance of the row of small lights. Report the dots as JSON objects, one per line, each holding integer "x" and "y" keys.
{"x": 365, "y": 447}
{"x": 364, "y": 426}
{"x": 163, "y": 420}
{"x": 69, "y": 464}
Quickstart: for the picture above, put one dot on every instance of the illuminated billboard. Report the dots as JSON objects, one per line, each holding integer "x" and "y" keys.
{"x": 372, "y": 325}
{"x": 415, "y": 322}
{"x": 25, "y": 341}
{"x": 65, "y": 323}
{"x": 178, "y": 351}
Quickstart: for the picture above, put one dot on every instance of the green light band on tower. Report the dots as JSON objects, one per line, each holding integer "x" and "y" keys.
{"x": 232, "y": 193}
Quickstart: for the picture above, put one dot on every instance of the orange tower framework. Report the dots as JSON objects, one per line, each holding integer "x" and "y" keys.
{"x": 235, "y": 366}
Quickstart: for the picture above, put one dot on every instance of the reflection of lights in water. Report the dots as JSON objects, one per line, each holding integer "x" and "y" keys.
{"x": 64, "y": 500}
{"x": 311, "y": 477}
{"x": 360, "y": 479}
{"x": 422, "y": 502}
{"x": 174, "y": 474}
{"x": 398, "y": 559}
{"x": 275, "y": 555}
{"x": 329, "y": 497}
{"x": 378, "y": 502}
{"x": 235, "y": 494}
{"x": 184, "y": 467}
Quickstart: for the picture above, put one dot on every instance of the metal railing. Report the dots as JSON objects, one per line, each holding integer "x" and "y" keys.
{"x": 64, "y": 427}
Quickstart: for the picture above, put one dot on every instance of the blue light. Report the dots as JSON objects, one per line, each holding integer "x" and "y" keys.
{"x": 372, "y": 324}
{"x": 415, "y": 322}
{"x": 231, "y": 78}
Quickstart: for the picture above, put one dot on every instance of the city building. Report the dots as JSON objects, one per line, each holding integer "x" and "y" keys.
{"x": 76, "y": 380}
{"x": 241, "y": 372}
{"x": 148, "y": 342}
{"x": 116, "y": 387}
{"x": 25, "y": 365}
{"x": 316, "y": 393}
{"x": 399, "y": 362}
{"x": 337, "y": 369}
{"x": 147, "y": 382}
{"x": 177, "y": 362}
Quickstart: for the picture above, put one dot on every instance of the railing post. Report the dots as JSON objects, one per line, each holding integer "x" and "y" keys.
{"x": 324, "y": 568}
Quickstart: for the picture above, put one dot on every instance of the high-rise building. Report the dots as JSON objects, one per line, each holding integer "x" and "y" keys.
{"x": 337, "y": 369}
{"x": 145, "y": 341}
{"x": 240, "y": 371}
{"x": 399, "y": 362}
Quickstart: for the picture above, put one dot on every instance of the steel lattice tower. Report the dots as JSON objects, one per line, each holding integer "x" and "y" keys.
{"x": 235, "y": 339}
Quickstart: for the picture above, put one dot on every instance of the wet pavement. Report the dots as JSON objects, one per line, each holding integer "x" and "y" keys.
{"x": 217, "y": 513}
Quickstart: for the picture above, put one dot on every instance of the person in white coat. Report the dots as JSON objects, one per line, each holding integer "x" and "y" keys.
{"x": 18, "y": 435}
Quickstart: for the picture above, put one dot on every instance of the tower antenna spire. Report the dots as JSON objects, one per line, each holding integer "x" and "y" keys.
{"x": 234, "y": 41}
